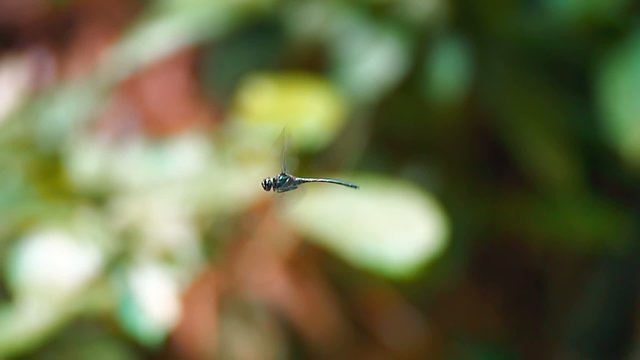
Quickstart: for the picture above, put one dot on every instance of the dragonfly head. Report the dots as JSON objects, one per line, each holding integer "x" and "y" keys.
{"x": 267, "y": 184}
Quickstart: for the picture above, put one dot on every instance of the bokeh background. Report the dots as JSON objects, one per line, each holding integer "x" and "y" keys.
{"x": 497, "y": 145}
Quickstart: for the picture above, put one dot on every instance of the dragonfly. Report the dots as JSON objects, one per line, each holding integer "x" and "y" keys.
{"x": 284, "y": 181}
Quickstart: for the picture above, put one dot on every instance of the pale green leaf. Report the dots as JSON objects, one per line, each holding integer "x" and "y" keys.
{"x": 448, "y": 70}
{"x": 309, "y": 107}
{"x": 369, "y": 58}
{"x": 619, "y": 87}
{"x": 387, "y": 226}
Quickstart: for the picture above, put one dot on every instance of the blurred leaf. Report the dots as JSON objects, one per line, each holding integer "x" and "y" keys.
{"x": 574, "y": 221}
{"x": 25, "y": 324}
{"x": 308, "y": 107}
{"x": 170, "y": 25}
{"x": 585, "y": 9}
{"x": 14, "y": 83}
{"x": 618, "y": 87}
{"x": 386, "y": 226}
{"x": 51, "y": 271}
{"x": 174, "y": 173}
{"x": 166, "y": 27}
{"x": 447, "y": 70}
{"x": 94, "y": 163}
{"x": 52, "y": 264}
{"x": 150, "y": 303}
{"x": 309, "y": 21}
{"x": 245, "y": 323}
{"x": 534, "y": 122}
{"x": 85, "y": 341}
{"x": 59, "y": 113}
{"x": 369, "y": 57}
{"x": 256, "y": 48}
{"x": 421, "y": 11}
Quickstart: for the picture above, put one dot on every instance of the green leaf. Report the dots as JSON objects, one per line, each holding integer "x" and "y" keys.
{"x": 619, "y": 86}
{"x": 387, "y": 226}
{"x": 150, "y": 304}
{"x": 369, "y": 57}
{"x": 309, "y": 107}
{"x": 536, "y": 124}
{"x": 571, "y": 10}
{"x": 447, "y": 71}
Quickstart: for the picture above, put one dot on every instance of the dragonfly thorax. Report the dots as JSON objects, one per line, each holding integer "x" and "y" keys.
{"x": 281, "y": 183}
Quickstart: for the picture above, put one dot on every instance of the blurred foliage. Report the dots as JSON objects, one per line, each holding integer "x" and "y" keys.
{"x": 496, "y": 145}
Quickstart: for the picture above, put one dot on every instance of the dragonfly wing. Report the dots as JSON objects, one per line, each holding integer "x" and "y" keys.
{"x": 285, "y": 144}
{"x": 285, "y": 160}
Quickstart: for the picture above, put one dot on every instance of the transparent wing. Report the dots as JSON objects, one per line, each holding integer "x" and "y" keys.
{"x": 284, "y": 140}
{"x": 285, "y": 144}
{"x": 287, "y": 200}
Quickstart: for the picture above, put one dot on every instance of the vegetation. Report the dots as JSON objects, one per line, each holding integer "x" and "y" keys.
{"x": 496, "y": 144}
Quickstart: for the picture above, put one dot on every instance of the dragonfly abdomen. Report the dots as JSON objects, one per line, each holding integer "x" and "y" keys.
{"x": 330, "y": 181}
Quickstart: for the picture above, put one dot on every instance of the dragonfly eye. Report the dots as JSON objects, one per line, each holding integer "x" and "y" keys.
{"x": 267, "y": 184}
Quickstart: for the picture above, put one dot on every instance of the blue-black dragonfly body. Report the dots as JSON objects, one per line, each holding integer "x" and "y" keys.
{"x": 286, "y": 182}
